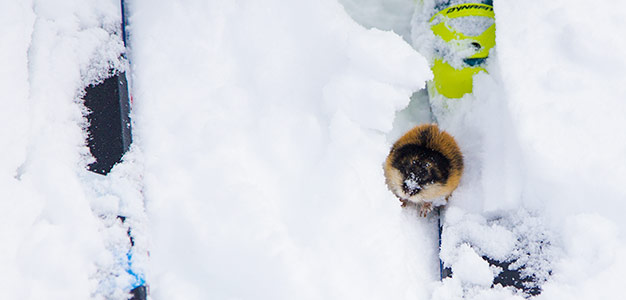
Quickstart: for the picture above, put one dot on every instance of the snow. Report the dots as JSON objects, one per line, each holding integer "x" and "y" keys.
{"x": 273, "y": 143}
{"x": 259, "y": 135}
{"x": 471, "y": 268}
{"x": 54, "y": 243}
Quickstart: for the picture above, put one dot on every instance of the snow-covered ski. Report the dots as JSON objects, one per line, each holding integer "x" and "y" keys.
{"x": 509, "y": 250}
{"x": 465, "y": 36}
{"x": 109, "y": 139}
{"x": 511, "y": 247}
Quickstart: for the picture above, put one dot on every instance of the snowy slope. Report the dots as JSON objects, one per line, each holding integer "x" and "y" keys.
{"x": 260, "y": 129}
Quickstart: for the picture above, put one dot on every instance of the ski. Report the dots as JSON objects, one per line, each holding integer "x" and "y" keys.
{"x": 109, "y": 139}
{"x": 460, "y": 35}
{"x": 508, "y": 250}
{"x": 109, "y": 122}
{"x": 465, "y": 33}
{"x": 461, "y": 54}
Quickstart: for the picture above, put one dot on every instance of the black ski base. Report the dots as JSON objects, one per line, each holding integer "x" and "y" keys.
{"x": 139, "y": 293}
{"x": 109, "y": 122}
{"x": 110, "y": 133}
{"x": 514, "y": 278}
{"x": 530, "y": 285}
{"x": 109, "y": 129}
{"x": 507, "y": 277}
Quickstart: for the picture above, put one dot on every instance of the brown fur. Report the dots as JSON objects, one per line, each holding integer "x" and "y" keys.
{"x": 434, "y": 156}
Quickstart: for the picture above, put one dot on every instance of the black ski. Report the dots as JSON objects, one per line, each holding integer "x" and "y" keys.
{"x": 526, "y": 268}
{"x": 110, "y": 136}
{"x": 453, "y": 80}
{"x": 109, "y": 122}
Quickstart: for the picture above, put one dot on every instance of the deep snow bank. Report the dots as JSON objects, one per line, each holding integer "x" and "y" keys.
{"x": 562, "y": 71}
{"x": 263, "y": 126}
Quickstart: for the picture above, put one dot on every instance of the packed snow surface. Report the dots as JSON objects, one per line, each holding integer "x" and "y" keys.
{"x": 260, "y": 128}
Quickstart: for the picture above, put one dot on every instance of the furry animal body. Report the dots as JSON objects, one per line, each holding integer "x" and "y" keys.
{"x": 425, "y": 164}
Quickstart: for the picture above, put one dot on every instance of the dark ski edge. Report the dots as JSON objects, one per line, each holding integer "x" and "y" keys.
{"x": 109, "y": 133}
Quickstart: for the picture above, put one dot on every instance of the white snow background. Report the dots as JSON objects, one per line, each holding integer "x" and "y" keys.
{"x": 260, "y": 128}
